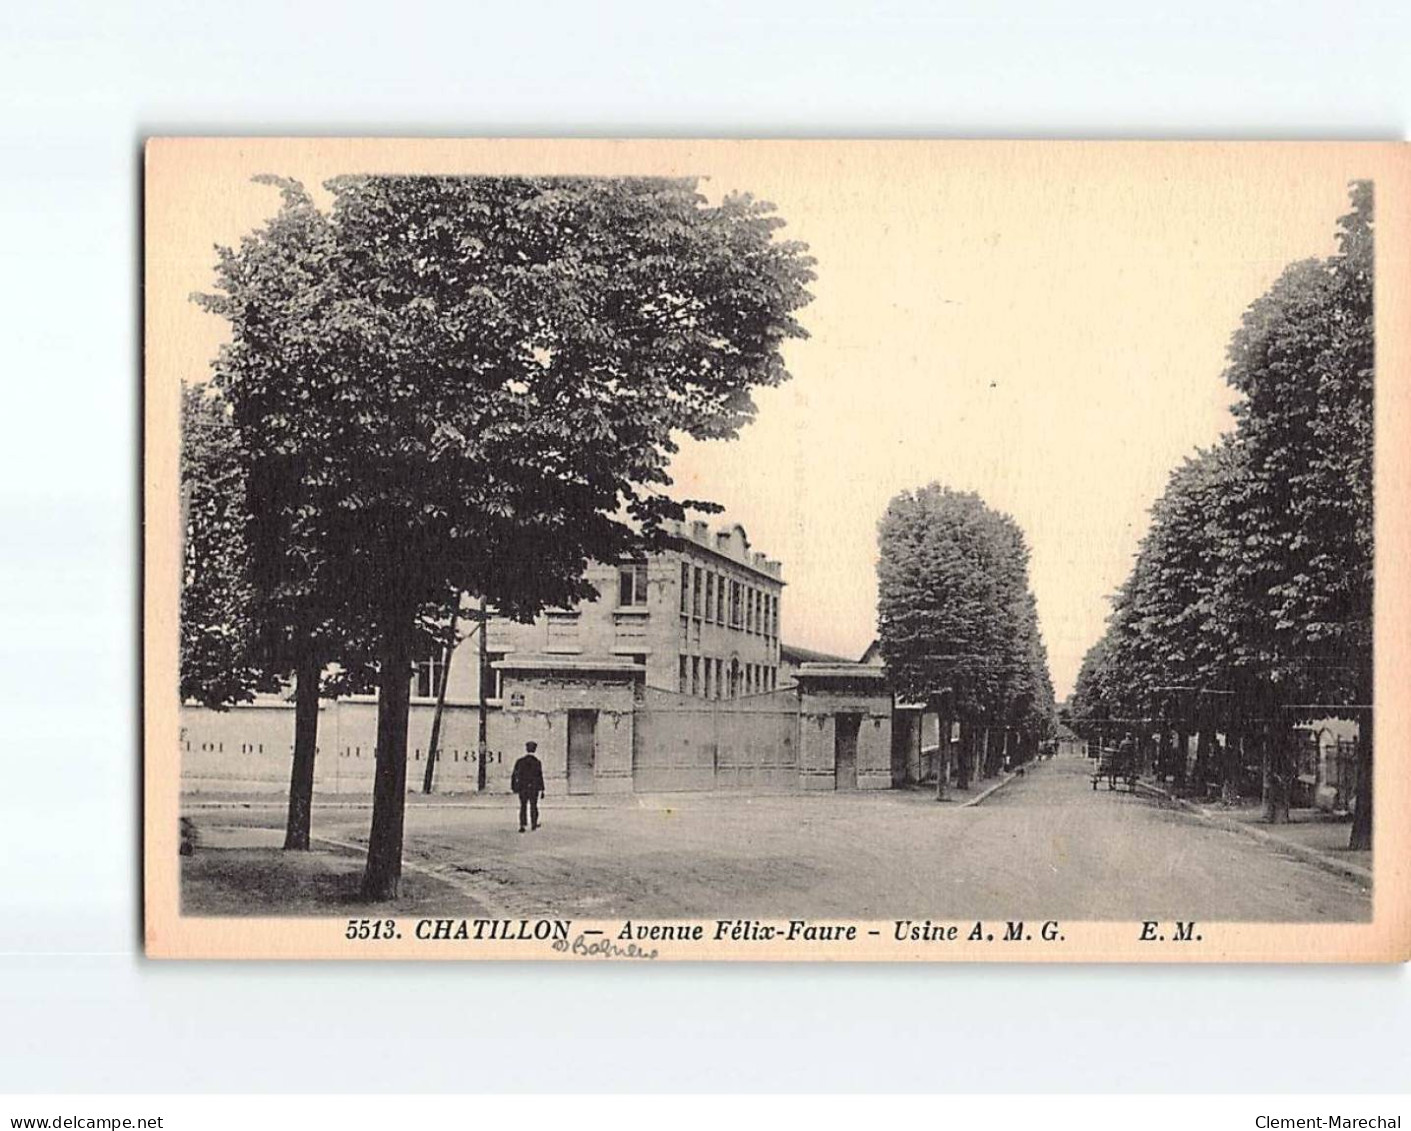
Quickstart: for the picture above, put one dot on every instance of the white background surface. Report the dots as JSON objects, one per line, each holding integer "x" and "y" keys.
{"x": 82, "y": 84}
{"x": 587, "y": 1112}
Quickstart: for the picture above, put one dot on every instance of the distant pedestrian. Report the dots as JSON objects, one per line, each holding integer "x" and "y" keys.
{"x": 527, "y": 780}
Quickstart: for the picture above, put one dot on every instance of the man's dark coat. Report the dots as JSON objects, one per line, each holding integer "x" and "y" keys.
{"x": 527, "y": 778}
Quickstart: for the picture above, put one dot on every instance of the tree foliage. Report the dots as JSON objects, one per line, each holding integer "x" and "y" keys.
{"x": 219, "y": 661}
{"x": 1254, "y": 579}
{"x": 475, "y": 384}
{"x": 1303, "y": 360}
{"x": 278, "y": 294}
{"x": 955, "y": 611}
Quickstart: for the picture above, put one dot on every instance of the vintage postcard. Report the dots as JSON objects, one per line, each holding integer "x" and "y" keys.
{"x": 816, "y": 550}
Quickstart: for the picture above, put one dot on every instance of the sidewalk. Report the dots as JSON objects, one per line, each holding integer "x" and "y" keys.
{"x": 1311, "y": 835}
{"x": 193, "y": 800}
{"x": 236, "y": 799}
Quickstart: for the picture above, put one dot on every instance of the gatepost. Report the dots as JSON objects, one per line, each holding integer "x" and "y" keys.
{"x": 545, "y": 694}
{"x": 832, "y": 699}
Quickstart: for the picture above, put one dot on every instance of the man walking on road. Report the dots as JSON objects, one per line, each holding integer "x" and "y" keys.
{"x": 527, "y": 780}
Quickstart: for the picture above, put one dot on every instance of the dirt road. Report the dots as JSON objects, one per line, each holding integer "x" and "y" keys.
{"x": 1045, "y": 846}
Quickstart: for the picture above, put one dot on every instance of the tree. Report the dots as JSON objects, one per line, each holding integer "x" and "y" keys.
{"x": 1303, "y": 359}
{"x": 1254, "y": 582}
{"x": 219, "y": 665}
{"x": 1089, "y": 704}
{"x": 276, "y": 291}
{"x": 1168, "y": 645}
{"x": 957, "y": 623}
{"x": 498, "y": 367}
{"x": 1023, "y": 697}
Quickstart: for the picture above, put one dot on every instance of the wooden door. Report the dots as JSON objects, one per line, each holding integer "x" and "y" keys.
{"x": 582, "y": 750}
{"x": 845, "y": 728}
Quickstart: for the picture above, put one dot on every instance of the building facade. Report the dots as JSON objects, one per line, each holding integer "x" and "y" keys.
{"x": 697, "y": 621}
{"x": 700, "y": 618}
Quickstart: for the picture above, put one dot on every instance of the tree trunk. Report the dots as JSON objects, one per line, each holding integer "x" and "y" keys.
{"x": 962, "y": 759}
{"x": 1204, "y": 743}
{"x": 1231, "y": 767}
{"x": 1163, "y": 755}
{"x": 389, "y": 791}
{"x": 1361, "y": 839}
{"x": 1276, "y": 781}
{"x": 942, "y": 752}
{"x": 301, "y": 774}
{"x": 1182, "y": 751}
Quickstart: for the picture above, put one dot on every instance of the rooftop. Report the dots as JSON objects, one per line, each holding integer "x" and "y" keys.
{"x": 730, "y": 542}
{"x": 794, "y": 654}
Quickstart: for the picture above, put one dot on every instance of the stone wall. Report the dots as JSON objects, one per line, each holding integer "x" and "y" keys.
{"x": 247, "y": 749}
{"x": 537, "y": 707}
{"x": 827, "y": 691}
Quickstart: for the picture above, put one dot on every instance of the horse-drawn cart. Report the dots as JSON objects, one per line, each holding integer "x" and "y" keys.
{"x": 1118, "y": 767}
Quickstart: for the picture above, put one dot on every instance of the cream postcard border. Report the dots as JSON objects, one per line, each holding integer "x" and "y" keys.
{"x": 170, "y": 162}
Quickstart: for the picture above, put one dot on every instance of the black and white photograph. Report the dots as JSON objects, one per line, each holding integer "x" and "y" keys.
{"x": 734, "y": 565}
{"x": 886, "y": 550}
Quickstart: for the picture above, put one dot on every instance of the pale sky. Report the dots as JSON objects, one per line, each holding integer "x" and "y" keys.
{"x": 1041, "y": 323}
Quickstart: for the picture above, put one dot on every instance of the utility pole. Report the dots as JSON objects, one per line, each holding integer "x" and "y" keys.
{"x": 481, "y": 746}
{"x": 447, "y": 651}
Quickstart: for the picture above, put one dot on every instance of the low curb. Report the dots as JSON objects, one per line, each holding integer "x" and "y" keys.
{"x": 983, "y": 794}
{"x": 445, "y": 873}
{"x": 193, "y": 803}
{"x": 1308, "y": 855}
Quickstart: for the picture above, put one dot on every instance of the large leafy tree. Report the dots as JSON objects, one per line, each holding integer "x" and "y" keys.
{"x": 219, "y": 654}
{"x": 497, "y": 371}
{"x": 277, "y": 292}
{"x": 1022, "y": 696}
{"x": 1092, "y": 701}
{"x": 957, "y": 625}
{"x": 1304, "y": 361}
{"x": 1254, "y": 581}
{"x": 1168, "y": 642}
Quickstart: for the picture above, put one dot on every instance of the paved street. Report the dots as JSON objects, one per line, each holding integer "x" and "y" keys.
{"x": 1045, "y": 846}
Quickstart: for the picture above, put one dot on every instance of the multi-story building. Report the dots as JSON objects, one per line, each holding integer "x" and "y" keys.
{"x": 700, "y": 618}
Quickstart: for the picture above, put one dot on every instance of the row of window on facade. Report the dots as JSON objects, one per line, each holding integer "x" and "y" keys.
{"x": 429, "y": 674}
{"x": 704, "y": 676}
{"x": 714, "y": 678}
{"x": 712, "y": 597}
{"x": 709, "y": 596}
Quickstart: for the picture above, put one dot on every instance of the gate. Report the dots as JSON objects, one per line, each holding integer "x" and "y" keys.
{"x": 683, "y": 742}
{"x": 845, "y": 728}
{"x": 582, "y": 750}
